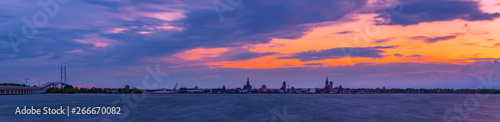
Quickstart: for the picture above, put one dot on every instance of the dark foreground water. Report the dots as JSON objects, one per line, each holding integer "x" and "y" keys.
{"x": 268, "y": 107}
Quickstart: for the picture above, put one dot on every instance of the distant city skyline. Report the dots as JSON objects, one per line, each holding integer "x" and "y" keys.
{"x": 358, "y": 44}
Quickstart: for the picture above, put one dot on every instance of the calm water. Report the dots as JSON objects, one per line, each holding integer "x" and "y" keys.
{"x": 273, "y": 107}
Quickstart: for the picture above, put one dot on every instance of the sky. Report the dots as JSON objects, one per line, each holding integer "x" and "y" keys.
{"x": 211, "y": 43}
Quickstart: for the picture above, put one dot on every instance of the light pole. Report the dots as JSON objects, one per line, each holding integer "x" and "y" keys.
{"x": 38, "y": 83}
{"x": 26, "y": 80}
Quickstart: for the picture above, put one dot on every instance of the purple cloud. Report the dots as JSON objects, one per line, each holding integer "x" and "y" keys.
{"x": 415, "y": 55}
{"x": 382, "y": 40}
{"x": 313, "y": 64}
{"x": 344, "y": 32}
{"x": 433, "y": 39}
{"x": 201, "y": 27}
{"x": 336, "y": 53}
{"x": 418, "y": 11}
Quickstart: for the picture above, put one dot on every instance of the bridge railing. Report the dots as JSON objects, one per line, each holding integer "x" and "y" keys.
{"x": 51, "y": 83}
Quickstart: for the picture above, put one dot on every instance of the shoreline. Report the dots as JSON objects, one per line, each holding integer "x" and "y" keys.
{"x": 266, "y": 94}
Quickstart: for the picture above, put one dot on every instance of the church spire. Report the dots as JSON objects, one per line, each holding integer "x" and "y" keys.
{"x": 326, "y": 82}
{"x": 247, "y": 86}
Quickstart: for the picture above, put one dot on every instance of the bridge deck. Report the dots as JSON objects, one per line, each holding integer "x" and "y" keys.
{"x": 27, "y": 89}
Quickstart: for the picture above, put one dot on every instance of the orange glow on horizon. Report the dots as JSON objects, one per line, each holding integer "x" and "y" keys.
{"x": 471, "y": 40}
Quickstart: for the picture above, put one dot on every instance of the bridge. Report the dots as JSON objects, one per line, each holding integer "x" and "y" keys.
{"x": 29, "y": 90}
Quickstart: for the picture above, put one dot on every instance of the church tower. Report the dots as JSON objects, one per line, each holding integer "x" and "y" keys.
{"x": 247, "y": 86}
{"x": 248, "y": 81}
{"x": 284, "y": 86}
{"x": 326, "y": 82}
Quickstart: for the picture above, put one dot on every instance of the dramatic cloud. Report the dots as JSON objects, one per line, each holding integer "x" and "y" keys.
{"x": 275, "y": 21}
{"x": 313, "y": 64}
{"x": 107, "y": 43}
{"x": 336, "y": 53}
{"x": 418, "y": 11}
{"x": 382, "y": 40}
{"x": 149, "y": 29}
{"x": 433, "y": 39}
{"x": 414, "y": 55}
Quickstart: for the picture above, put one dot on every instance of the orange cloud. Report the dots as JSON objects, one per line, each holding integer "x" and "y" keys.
{"x": 365, "y": 34}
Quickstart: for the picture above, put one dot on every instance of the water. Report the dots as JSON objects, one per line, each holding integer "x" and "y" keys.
{"x": 262, "y": 107}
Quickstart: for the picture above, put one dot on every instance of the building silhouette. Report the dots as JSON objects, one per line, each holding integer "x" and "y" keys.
{"x": 247, "y": 86}
{"x": 326, "y": 82}
{"x": 263, "y": 88}
{"x": 284, "y": 86}
{"x": 341, "y": 90}
{"x": 328, "y": 87}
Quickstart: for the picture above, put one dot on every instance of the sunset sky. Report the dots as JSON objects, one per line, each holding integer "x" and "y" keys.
{"x": 210, "y": 43}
